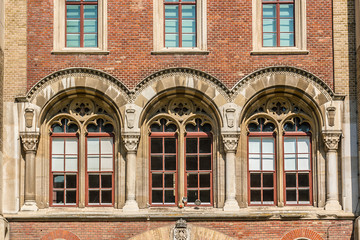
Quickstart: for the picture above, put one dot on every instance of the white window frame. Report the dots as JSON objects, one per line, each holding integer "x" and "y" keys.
{"x": 59, "y": 30}
{"x": 158, "y": 31}
{"x": 300, "y": 31}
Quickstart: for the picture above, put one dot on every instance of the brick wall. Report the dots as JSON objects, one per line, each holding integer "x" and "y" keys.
{"x": 130, "y": 42}
{"x": 326, "y": 229}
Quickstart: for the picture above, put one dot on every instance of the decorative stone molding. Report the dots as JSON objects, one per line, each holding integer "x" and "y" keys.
{"x": 331, "y": 115}
{"x": 131, "y": 141}
{"x": 29, "y": 116}
{"x": 230, "y": 141}
{"x": 230, "y": 117}
{"x": 181, "y": 231}
{"x": 29, "y": 140}
{"x": 130, "y": 117}
{"x": 331, "y": 139}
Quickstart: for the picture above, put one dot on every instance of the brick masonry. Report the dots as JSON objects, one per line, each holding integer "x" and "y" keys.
{"x": 130, "y": 43}
{"x": 270, "y": 230}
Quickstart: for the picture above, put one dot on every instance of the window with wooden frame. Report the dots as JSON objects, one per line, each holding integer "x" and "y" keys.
{"x": 181, "y": 156}
{"x": 279, "y": 153}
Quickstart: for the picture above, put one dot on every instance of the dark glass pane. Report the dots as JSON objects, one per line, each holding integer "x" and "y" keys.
{"x": 205, "y": 196}
{"x": 157, "y": 180}
{"x": 305, "y": 127}
{"x": 72, "y": 128}
{"x": 170, "y": 145}
{"x": 268, "y": 180}
{"x": 205, "y": 128}
{"x": 269, "y": 127}
{"x": 94, "y": 197}
{"x": 58, "y": 181}
{"x": 170, "y": 162}
{"x": 205, "y": 162}
{"x": 94, "y": 181}
{"x": 169, "y": 196}
{"x": 157, "y": 196}
{"x": 291, "y": 195}
{"x": 205, "y": 180}
{"x": 191, "y": 145}
{"x": 191, "y": 162}
{"x": 156, "y": 128}
{"x": 70, "y": 196}
{"x": 170, "y": 128}
{"x": 205, "y": 145}
{"x": 303, "y": 179}
{"x": 106, "y": 196}
{"x": 106, "y": 181}
{"x": 255, "y": 180}
{"x": 192, "y": 180}
{"x": 289, "y": 127}
{"x": 191, "y": 128}
{"x": 268, "y": 195}
{"x": 108, "y": 128}
{"x": 70, "y": 181}
{"x": 156, "y": 163}
{"x": 255, "y": 196}
{"x": 291, "y": 180}
{"x": 304, "y": 195}
{"x": 169, "y": 181}
{"x": 92, "y": 128}
{"x": 56, "y": 128}
{"x": 192, "y": 195}
{"x": 156, "y": 145}
{"x": 58, "y": 197}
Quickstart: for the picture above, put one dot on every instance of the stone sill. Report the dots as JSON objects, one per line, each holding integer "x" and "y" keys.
{"x": 180, "y": 51}
{"x": 72, "y": 51}
{"x": 274, "y": 51}
{"x": 156, "y": 214}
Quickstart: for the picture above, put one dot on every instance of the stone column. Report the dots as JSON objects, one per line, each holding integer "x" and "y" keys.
{"x": 230, "y": 141}
{"x": 30, "y": 142}
{"x": 131, "y": 143}
{"x": 331, "y": 140}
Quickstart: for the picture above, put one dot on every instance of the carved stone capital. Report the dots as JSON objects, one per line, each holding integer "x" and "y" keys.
{"x": 131, "y": 141}
{"x": 331, "y": 139}
{"x": 29, "y": 140}
{"x": 230, "y": 141}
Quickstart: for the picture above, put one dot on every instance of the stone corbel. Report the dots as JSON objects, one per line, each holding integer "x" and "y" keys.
{"x": 131, "y": 141}
{"x": 29, "y": 140}
{"x": 230, "y": 141}
{"x": 331, "y": 139}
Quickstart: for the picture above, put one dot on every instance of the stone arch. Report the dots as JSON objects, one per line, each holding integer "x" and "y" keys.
{"x": 60, "y": 234}
{"x": 302, "y": 233}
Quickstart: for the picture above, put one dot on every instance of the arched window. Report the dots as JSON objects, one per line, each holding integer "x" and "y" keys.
{"x": 82, "y": 154}
{"x": 181, "y": 154}
{"x": 279, "y": 152}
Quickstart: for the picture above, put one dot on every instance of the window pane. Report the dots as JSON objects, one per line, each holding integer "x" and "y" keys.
{"x": 90, "y": 11}
{"x": 170, "y": 128}
{"x": 304, "y": 196}
{"x": 93, "y": 145}
{"x": 192, "y": 196}
{"x": 171, "y": 26}
{"x": 73, "y": 40}
{"x": 205, "y": 145}
{"x": 254, "y": 162}
{"x": 171, "y": 11}
{"x": 192, "y": 180}
{"x": 255, "y": 180}
{"x": 57, "y": 146}
{"x": 71, "y": 163}
{"x": 93, "y": 163}
{"x": 289, "y": 145}
{"x": 106, "y": 196}
{"x": 191, "y": 145}
{"x": 286, "y": 39}
{"x": 90, "y": 26}
{"x": 94, "y": 197}
{"x": 268, "y": 196}
{"x": 205, "y": 162}
{"x": 205, "y": 196}
{"x": 106, "y": 146}
{"x": 170, "y": 180}
{"x": 58, "y": 197}
{"x": 303, "y": 145}
{"x": 290, "y": 162}
{"x": 205, "y": 180}
{"x": 170, "y": 145}
{"x": 90, "y": 40}
{"x": 169, "y": 196}
{"x": 269, "y": 39}
{"x": 157, "y": 180}
{"x": 286, "y": 10}
{"x": 189, "y": 40}
{"x": 268, "y": 162}
{"x": 57, "y": 128}
{"x": 71, "y": 145}
{"x": 106, "y": 163}
{"x": 58, "y": 181}
{"x": 94, "y": 181}
{"x": 57, "y": 163}
{"x": 71, "y": 197}
{"x": 286, "y": 25}
{"x": 191, "y": 162}
{"x": 188, "y": 26}
{"x": 268, "y": 180}
{"x": 156, "y": 145}
{"x": 269, "y": 25}
{"x": 291, "y": 180}
{"x": 188, "y": 11}
{"x": 269, "y": 10}
{"x": 157, "y": 196}
{"x": 254, "y": 145}
{"x": 73, "y": 11}
{"x": 268, "y": 145}
{"x": 291, "y": 196}
{"x": 155, "y": 128}
{"x": 171, "y": 40}
{"x": 303, "y": 162}
{"x": 156, "y": 163}
{"x": 73, "y": 26}
{"x": 170, "y": 162}
{"x": 303, "y": 179}
{"x": 106, "y": 181}
{"x": 255, "y": 196}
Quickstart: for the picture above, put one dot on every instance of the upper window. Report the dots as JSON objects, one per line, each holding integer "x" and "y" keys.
{"x": 80, "y": 26}
{"x": 279, "y": 27}
{"x": 179, "y": 26}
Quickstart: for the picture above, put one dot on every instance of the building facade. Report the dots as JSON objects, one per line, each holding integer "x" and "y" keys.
{"x": 178, "y": 119}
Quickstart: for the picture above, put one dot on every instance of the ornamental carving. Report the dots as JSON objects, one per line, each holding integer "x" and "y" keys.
{"x": 131, "y": 141}
{"x": 29, "y": 141}
{"x": 230, "y": 141}
{"x": 181, "y": 231}
{"x": 331, "y": 139}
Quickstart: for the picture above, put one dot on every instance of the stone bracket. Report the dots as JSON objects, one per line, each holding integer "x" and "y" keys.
{"x": 131, "y": 140}
{"x": 230, "y": 140}
{"x": 29, "y": 140}
{"x": 331, "y": 139}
